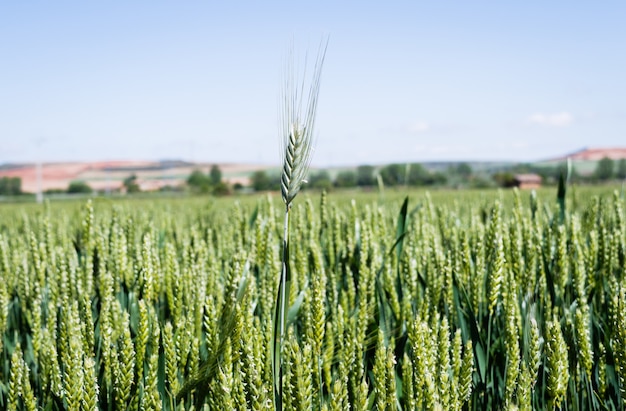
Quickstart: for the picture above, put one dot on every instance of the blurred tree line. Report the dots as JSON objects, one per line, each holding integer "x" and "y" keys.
{"x": 606, "y": 170}
{"x": 459, "y": 175}
{"x": 210, "y": 183}
{"x": 10, "y": 186}
{"x": 413, "y": 174}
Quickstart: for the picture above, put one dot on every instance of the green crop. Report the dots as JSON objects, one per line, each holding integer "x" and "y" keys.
{"x": 448, "y": 300}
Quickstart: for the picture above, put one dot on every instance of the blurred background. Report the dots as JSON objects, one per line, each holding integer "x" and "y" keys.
{"x": 152, "y": 91}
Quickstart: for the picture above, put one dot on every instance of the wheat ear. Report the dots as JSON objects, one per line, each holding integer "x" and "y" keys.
{"x": 297, "y": 142}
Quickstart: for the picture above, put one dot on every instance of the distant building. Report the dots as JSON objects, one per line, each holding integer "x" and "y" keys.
{"x": 526, "y": 181}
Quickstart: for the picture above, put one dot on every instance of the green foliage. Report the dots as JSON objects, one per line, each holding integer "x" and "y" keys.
{"x": 262, "y": 181}
{"x": 464, "y": 170}
{"x": 346, "y": 179}
{"x": 130, "y": 184}
{"x": 365, "y": 176}
{"x": 621, "y": 169}
{"x": 215, "y": 175}
{"x": 393, "y": 174}
{"x": 197, "y": 179}
{"x": 55, "y": 191}
{"x": 211, "y": 183}
{"x": 504, "y": 179}
{"x": 605, "y": 170}
{"x": 410, "y": 174}
{"x": 79, "y": 187}
{"x": 10, "y": 186}
{"x": 221, "y": 189}
{"x": 320, "y": 180}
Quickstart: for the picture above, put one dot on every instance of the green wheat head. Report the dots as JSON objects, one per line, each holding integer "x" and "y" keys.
{"x": 297, "y": 146}
{"x": 297, "y": 123}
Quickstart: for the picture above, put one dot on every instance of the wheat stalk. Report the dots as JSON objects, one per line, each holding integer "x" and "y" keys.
{"x": 297, "y": 148}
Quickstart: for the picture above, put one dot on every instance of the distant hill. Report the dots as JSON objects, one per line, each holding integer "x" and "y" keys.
{"x": 109, "y": 175}
{"x": 595, "y": 154}
{"x": 154, "y": 175}
{"x": 586, "y": 160}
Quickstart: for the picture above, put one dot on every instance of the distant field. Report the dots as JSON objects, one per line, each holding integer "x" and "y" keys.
{"x": 109, "y": 176}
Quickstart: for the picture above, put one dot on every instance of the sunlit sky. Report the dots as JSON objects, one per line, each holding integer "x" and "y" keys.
{"x": 402, "y": 81}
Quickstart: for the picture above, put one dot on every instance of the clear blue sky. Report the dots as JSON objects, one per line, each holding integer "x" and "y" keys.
{"x": 402, "y": 81}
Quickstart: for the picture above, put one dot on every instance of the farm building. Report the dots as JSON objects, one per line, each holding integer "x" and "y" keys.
{"x": 527, "y": 181}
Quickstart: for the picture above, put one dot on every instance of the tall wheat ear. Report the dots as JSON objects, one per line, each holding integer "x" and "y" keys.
{"x": 297, "y": 125}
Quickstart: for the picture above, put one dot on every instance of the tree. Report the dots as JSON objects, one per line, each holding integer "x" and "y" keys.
{"x": 604, "y": 169}
{"x": 347, "y": 178}
{"x": 215, "y": 175}
{"x": 504, "y": 179}
{"x": 10, "y": 186}
{"x": 417, "y": 175}
{"x": 221, "y": 189}
{"x": 464, "y": 170}
{"x": 15, "y": 185}
{"x": 321, "y": 180}
{"x": 435, "y": 179}
{"x": 413, "y": 174}
{"x": 393, "y": 174}
{"x": 365, "y": 176}
{"x": 79, "y": 187}
{"x": 260, "y": 181}
{"x": 130, "y": 183}
{"x": 621, "y": 168}
{"x": 199, "y": 181}
{"x": 197, "y": 178}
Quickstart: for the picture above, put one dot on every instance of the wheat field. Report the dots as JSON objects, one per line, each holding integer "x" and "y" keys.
{"x": 441, "y": 301}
